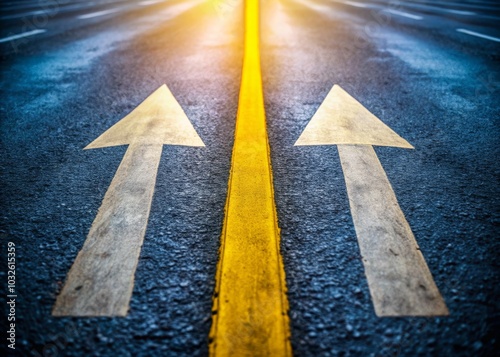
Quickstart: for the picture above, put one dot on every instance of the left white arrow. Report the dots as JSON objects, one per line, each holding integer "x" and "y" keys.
{"x": 101, "y": 280}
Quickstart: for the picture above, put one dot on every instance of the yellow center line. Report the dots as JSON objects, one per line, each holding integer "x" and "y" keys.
{"x": 250, "y": 308}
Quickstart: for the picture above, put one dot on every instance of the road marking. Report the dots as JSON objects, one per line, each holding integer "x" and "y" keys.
{"x": 31, "y": 13}
{"x": 22, "y": 35}
{"x": 98, "y": 13}
{"x": 405, "y": 14}
{"x": 334, "y": 123}
{"x": 398, "y": 277}
{"x": 250, "y": 306}
{"x": 477, "y": 34}
{"x": 150, "y": 2}
{"x": 101, "y": 280}
{"x": 355, "y": 4}
{"x": 460, "y": 12}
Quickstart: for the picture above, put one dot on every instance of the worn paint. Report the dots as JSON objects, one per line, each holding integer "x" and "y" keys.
{"x": 398, "y": 277}
{"x": 101, "y": 280}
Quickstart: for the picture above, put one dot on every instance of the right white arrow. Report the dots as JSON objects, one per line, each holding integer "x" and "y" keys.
{"x": 398, "y": 277}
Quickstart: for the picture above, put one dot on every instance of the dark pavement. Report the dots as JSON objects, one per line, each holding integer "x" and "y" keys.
{"x": 437, "y": 87}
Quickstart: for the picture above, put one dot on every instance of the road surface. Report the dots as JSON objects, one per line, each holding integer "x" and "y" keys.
{"x": 429, "y": 70}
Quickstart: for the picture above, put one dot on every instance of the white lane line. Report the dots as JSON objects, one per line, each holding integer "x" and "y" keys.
{"x": 15, "y": 16}
{"x": 460, "y": 12}
{"x": 21, "y": 35}
{"x": 98, "y": 13}
{"x": 477, "y": 34}
{"x": 405, "y": 14}
{"x": 355, "y": 4}
{"x": 150, "y": 2}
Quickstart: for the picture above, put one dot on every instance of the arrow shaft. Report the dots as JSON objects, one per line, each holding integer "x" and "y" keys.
{"x": 398, "y": 277}
{"x": 101, "y": 280}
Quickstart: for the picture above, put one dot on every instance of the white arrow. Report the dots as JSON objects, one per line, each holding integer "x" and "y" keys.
{"x": 398, "y": 277}
{"x": 101, "y": 280}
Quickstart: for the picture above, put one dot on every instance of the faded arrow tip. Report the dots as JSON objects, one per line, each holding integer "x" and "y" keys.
{"x": 157, "y": 120}
{"x": 341, "y": 119}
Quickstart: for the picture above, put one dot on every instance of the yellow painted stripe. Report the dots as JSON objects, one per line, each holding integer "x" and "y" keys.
{"x": 250, "y": 305}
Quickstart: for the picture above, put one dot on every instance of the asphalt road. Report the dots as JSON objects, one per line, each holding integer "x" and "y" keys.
{"x": 422, "y": 67}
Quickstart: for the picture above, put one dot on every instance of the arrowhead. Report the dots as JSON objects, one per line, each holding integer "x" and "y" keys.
{"x": 158, "y": 120}
{"x": 341, "y": 119}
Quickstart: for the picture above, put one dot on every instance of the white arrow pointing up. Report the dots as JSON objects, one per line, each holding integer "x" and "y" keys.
{"x": 101, "y": 280}
{"x": 159, "y": 120}
{"x": 398, "y": 277}
{"x": 341, "y": 119}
